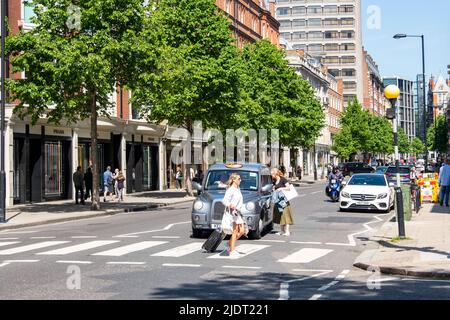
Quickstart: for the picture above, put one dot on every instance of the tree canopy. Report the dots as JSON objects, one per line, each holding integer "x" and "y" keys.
{"x": 437, "y": 135}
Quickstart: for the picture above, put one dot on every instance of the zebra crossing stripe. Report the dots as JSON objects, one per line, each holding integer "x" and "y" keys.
{"x": 305, "y": 255}
{"x": 120, "y": 251}
{"x": 30, "y": 247}
{"x": 243, "y": 249}
{"x": 78, "y": 247}
{"x": 2, "y": 244}
{"x": 180, "y": 251}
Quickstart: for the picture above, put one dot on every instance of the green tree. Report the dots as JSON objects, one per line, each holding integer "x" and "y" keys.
{"x": 191, "y": 75}
{"x": 404, "y": 146}
{"x": 437, "y": 135}
{"x": 417, "y": 147}
{"x": 381, "y": 136}
{"x": 274, "y": 96}
{"x": 73, "y": 60}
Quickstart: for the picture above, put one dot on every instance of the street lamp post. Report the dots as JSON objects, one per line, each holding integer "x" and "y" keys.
{"x": 424, "y": 120}
{"x": 392, "y": 92}
{"x": 2, "y": 117}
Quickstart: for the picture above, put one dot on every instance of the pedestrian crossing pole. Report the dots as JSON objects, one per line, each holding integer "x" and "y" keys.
{"x": 2, "y": 117}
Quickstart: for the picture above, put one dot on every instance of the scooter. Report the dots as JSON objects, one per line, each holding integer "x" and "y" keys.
{"x": 335, "y": 189}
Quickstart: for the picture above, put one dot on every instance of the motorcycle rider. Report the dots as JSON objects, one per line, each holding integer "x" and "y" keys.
{"x": 334, "y": 175}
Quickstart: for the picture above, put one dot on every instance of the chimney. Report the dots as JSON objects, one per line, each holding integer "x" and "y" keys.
{"x": 272, "y": 7}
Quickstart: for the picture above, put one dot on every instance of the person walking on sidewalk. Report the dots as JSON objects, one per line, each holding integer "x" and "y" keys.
{"x": 283, "y": 218}
{"x": 88, "y": 183}
{"x": 120, "y": 182}
{"x": 179, "y": 178}
{"x": 78, "y": 179}
{"x": 233, "y": 201}
{"x": 444, "y": 183}
{"x": 114, "y": 176}
{"x": 108, "y": 183}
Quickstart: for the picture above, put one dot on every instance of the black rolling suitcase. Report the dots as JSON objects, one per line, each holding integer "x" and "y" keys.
{"x": 213, "y": 241}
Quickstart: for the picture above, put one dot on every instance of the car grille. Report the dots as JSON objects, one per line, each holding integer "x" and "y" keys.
{"x": 363, "y": 197}
{"x": 218, "y": 208}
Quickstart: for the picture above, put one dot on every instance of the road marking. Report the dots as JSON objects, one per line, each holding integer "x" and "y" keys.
{"x": 316, "y": 192}
{"x": 182, "y": 265}
{"x": 241, "y": 267}
{"x": 126, "y": 263}
{"x": 301, "y": 242}
{"x": 1, "y": 239}
{"x": 421, "y": 280}
{"x": 284, "y": 286}
{"x": 328, "y": 286}
{"x": 78, "y": 247}
{"x": 30, "y": 247}
{"x": 84, "y": 237}
{"x": 35, "y": 238}
{"x": 243, "y": 249}
{"x": 351, "y": 237}
{"x": 275, "y": 241}
{"x": 311, "y": 270}
{"x": 343, "y": 274}
{"x": 128, "y": 235}
{"x": 166, "y": 237}
{"x": 3, "y": 264}
{"x": 180, "y": 251}
{"x": 305, "y": 255}
{"x": 21, "y": 261}
{"x": 2, "y": 244}
{"x": 315, "y": 297}
{"x": 74, "y": 262}
{"x": 20, "y": 232}
{"x": 120, "y": 251}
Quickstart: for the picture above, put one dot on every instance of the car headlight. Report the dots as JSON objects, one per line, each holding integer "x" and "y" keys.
{"x": 198, "y": 205}
{"x": 382, "y": 196}
{"x": 250, "y": 206}
{"x": 345, "y": 195}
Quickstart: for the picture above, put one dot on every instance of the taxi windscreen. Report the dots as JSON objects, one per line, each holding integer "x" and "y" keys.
{"x": 218, "y": 180}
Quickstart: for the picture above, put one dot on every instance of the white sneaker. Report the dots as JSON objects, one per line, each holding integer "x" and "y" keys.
{"x": 281, "y": 233}
{"x": 234, "y": 254}
{"x": 286, "y": 234}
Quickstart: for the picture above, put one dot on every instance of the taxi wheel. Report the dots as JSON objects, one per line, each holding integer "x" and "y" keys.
{"x": 256, "y": 234}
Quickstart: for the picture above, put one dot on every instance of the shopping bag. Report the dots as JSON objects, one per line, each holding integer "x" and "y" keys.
{"x": 291, "y": 194}
{"x": 227, "y": 222}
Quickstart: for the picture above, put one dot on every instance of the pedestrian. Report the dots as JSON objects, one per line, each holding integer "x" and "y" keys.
{"x": 299, "y": 172}
{"x": 283, "y": 218}
{"x": 78, "y": 178}
{"x": 120, "y": 182}
{"x": 115, "y": 175}
{"x": 233, "y": 201}
{"x": 179, "y": 178}
{"x": 88, "y": 184}
{"x": 444, "y": 183}
{"x": 108, "y": 183}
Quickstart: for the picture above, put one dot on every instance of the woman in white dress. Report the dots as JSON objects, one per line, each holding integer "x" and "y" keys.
{"x": 233, "y": 200}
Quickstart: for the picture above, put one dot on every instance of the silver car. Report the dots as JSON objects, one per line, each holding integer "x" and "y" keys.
{"x": 256, "y": 188}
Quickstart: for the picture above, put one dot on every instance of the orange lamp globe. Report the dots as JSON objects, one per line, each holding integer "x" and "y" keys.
{"x": 391, "y": 92}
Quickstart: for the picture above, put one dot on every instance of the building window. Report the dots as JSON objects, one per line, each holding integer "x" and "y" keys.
{"x": 348, "y": 47}
{"x": 283, "y": 11}
{"x": 331, "y": 35}
{"x": 348, "y": 22}
{"x": 299, "y": 47}
{"x": 283, "y": 1}
{"x": 346, "y": 9}
{"x": 299, "y": 23}
{"x": 298, "y": 35}
{"x": 28, "y": 12}
{"x": 349, "y": 85}
{"x": 334, "y": 72}
{"x": 348, "y": 60}
{"x": 330, "y": 9}
{"x": 329, "y": 47}
{"x": 286, "y": 35}
{"x": 314, "y": 10}
{"x": 228, "y": 6}
{"x": 298, "y": 10}
{"x": 347, "y": 34}
{"x": 315, "y": 47}
{"x": 53, "y": 168}
{"x": 315, "y": 35}
{"x": 285, "y": 23}
{"x": 330, "y": 22}
{"x": 315, "y": 22}
{"x": 348, "y": 72}
{"x": 331, "y": 60}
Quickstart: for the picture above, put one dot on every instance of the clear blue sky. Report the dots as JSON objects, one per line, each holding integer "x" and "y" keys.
{"x": 403, "y": 57}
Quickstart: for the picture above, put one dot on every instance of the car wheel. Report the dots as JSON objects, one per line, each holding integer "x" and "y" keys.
{"x": 256, "y": 234}
{"x": 196, "y": 233}
{"x": 342, "y": 210}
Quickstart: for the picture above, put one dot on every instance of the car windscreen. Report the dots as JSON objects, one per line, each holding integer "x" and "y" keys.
{"x": 381, "y": 169}
{"x": 403, "y": 170}
{"x": 371, "y": 180}
{"x": 218, "y": 179}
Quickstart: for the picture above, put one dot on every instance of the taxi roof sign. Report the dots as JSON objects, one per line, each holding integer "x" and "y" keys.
{"x": 233, "y": 165}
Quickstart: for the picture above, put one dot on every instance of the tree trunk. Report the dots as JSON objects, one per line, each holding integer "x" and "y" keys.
{"x": 95, "y": 196}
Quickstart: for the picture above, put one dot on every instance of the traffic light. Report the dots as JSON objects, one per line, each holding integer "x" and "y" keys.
{"x": 390, "y": 113}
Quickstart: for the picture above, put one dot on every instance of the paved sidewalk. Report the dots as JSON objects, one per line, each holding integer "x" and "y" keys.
{"x": 59, "y": 211}
{"x": 426, "y": 254}
{"x": 306, "y": 180}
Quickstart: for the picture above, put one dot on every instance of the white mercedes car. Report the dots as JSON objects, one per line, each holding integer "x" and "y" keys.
{"x": 367, "y": 192}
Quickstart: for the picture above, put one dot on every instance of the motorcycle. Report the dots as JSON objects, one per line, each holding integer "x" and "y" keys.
{"x": 335, "y": 189}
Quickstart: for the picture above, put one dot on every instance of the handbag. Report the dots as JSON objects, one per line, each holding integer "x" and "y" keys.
{"x": 227, "y": 222}
{"x": 291, "y": 194}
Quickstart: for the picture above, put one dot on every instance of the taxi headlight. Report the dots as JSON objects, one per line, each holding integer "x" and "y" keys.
{"x": 250, "y": 206}
{"x": 198, "y": 205}
{"x": 345, "y": 195}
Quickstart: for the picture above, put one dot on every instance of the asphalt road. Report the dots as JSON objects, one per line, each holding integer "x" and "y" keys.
{"x": 151, "y": 255}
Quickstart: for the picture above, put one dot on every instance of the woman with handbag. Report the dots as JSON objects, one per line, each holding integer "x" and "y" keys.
{"x": 282, "y": 217}
{"x": 233, "y": 202}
